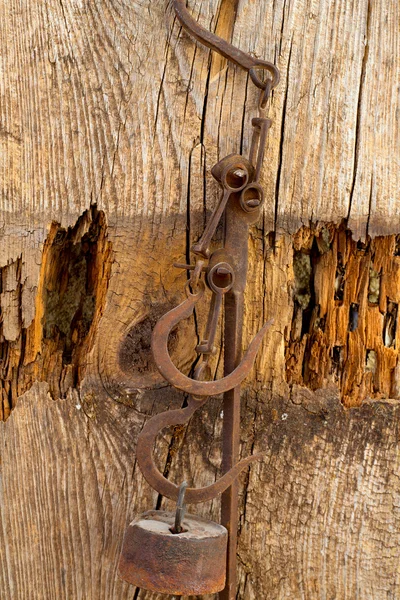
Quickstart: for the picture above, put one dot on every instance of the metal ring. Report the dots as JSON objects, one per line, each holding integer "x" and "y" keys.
{"x": 267, "y": 67}
{"x": 213, "y": 271}
{"x": 232, "y": 170}
{"x": 260, "y": 197}
{"x": 200, "y": 369}
{"x": 201, "y": 287}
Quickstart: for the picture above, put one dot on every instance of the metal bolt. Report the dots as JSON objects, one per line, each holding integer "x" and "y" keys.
{"x": 253, "y": 203}
{"x": 223, "y": 271}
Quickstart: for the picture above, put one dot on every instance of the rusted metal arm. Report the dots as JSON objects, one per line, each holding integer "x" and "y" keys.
{"x": 209, "y": 39}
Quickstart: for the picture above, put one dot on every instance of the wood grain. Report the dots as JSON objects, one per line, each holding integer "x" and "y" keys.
{"x": 110, "y": 114}
{"x": 323, "y": 501}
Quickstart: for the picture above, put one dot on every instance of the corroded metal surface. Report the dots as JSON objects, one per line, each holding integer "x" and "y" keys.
{"x": 188, "y": 563}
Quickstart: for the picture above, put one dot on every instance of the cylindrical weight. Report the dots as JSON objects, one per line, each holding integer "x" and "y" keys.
{"x": 189, "y": 563}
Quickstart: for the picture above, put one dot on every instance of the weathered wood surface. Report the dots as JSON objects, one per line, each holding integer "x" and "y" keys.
{"x": 110, "y": 120}
{"x": 320, "y": 514}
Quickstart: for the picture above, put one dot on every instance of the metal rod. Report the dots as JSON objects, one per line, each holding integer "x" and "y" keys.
{"x": 180, "y": 509}
{"x": 229, "y": 500}
{"x": 231, "y": 436}
{"x": 236, "y": 244}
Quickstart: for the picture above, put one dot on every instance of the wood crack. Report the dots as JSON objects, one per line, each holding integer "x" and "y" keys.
{"x": 361, "y": 91}
{"x": 281, "y": 145}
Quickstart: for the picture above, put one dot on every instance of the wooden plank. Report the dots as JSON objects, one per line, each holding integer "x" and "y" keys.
{"x": 110, "y": 121}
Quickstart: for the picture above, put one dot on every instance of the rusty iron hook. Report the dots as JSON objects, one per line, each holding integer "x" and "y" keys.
{"x": 200, "y": 391}
{"x": 213, "y": 41}
{"x": 144, "y": 455}
{"x": 159, "y": 346}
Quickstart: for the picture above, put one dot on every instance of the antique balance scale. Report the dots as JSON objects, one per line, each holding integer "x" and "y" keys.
{"x": 174, "y": 553}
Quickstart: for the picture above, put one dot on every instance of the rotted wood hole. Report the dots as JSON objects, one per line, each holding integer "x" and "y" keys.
{"x": 344, "y": 327}
{"x": 70, "y": 297}
{"x": 343, "y": 315}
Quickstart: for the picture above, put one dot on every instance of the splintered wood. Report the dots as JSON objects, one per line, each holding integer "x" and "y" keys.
{"x": 344, "y": 327}
{"x": 70, "y": 297}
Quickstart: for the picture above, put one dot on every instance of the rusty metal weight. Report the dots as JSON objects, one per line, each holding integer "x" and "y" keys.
{"x": 158, "y": 543}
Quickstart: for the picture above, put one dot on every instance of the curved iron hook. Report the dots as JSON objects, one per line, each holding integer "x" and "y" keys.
{"x": 159, "y": 346}
{"x": 144, "y": 455}
{"x": 213, "y": 41}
